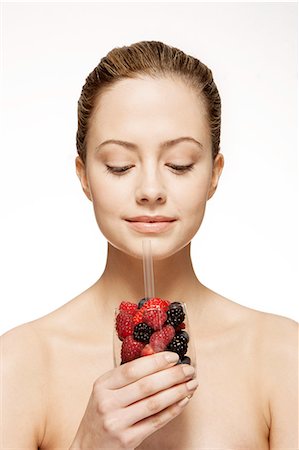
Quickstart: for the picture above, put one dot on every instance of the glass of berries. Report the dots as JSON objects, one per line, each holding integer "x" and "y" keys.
{"x": 150, "y": 326}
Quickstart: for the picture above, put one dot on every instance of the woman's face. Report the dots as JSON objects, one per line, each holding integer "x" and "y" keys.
{"x": 164, "y": 172}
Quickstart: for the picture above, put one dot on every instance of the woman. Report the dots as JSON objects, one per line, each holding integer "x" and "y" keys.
{"x": 148, "y": 144}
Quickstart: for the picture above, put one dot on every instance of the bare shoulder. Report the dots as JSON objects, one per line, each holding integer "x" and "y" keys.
{"x": 24, "y": 380}
{"x": 23, "y": 345}
{"x": 273, "y": 338}
{"x": 279, "y": 347}
{"x": 280, "y": 336}
{"x": 274, "y": 351}
{"x": 280, "y": 369}
{"x": 270, "y": 328}
{"x": 26, "y": 355}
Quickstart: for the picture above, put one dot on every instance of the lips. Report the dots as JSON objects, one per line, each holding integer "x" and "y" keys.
{"x": 151, "y": 224}
{"x": 151, "y": 219}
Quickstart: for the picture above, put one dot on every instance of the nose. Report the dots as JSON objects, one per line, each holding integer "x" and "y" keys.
{"x": 150, "y": 189}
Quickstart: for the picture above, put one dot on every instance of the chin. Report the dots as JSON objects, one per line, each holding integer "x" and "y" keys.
{"x": 163, "y": 247}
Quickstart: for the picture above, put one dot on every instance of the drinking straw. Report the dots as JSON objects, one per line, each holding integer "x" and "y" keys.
{"x": 148, "y": 270}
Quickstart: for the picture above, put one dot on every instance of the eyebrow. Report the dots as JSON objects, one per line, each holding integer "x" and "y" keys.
{"x": 165, "y": 145}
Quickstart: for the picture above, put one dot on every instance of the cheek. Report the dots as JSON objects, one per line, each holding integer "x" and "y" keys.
{"x": 110, "y": 199}
{"x": 106, "y": 198}
{"x": 192, "y": 196}
{"x": 193, "y": 202}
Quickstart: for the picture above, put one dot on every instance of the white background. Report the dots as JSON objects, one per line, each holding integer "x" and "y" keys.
{"x": 51, "y": 248}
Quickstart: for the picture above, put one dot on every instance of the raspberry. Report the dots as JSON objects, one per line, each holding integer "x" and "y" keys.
{"x": 124, "y": 324}
{"x": 130, "y": 349}
{"x": 142, "y": 332}
{"x": 137, "y": 318}
{"x": 147, "y": 350}
{"x": 153, "y": 303}
{"x": 157, "y": 303}
{"x": 155, "y": 318}
{"x": 175, "y": 314}
{"x": 181, "y": 326}
{"x": 178, "y": 345}
{"x": 128, "y": 307}
{"x": 160, "y": 339}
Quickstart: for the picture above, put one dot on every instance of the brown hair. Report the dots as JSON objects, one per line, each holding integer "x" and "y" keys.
{"x": 155, "y": 59}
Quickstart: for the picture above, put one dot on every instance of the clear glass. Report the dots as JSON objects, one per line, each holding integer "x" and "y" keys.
{"x": 154, "y": 344}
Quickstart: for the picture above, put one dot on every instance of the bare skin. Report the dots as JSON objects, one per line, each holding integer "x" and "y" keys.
{"x": 246, "y": 365}
{"x": 60, "y": 390}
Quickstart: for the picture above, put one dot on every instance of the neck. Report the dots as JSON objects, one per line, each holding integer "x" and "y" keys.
{"x": 122, "y": 278}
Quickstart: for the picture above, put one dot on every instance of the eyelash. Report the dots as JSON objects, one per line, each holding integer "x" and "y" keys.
{"x": 123, "y": 170}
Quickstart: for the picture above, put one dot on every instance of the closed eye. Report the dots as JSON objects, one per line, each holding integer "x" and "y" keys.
{"x": 180, "y": 168}
{"x": 118, "y": 170}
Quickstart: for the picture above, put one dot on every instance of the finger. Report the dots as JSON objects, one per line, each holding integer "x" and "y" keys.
{"x": 156, "y": 403}
{"x": 154, "y": 383}
{"x": 139, "y": 368}
{"x": 144, "y": 428}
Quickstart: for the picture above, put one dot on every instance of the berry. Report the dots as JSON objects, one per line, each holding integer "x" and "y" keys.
{"x": 183, "y": 334}
{"x": 152, "y": 303}
{"x": 155, "y": 318}
{"x": 142, "y": 301}
{"x": 124, "y": 324}
{"x": 178, "y": 345}
{"x": 147, "y": 350}
{"x": 175, "y": 314}
{"x": 142, "y": 332}
{"x": 181, "y": 326}
{"x": 138, "y": 317}
{"x": 128, "y": 307}
{"x": 130, "y": 349}
{"x": 160, "y": 339}
{"x": 157, "y": 303}
{"x": 185, "y": 360}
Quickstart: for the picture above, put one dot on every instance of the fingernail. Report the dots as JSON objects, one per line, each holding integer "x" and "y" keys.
{"x": 171, "y": 357}
{"x": 191, "y": 385}
{"x": 184, "y": 401}
{"x": 188, "y": 370}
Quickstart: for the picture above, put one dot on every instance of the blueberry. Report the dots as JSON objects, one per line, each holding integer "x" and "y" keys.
{"x": 142, "y": 301}
{"x": 186, "y": 360}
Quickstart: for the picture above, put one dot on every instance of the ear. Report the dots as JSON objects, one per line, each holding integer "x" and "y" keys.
{"x": 81, "y": 173}
{"x": 216, "y": 172}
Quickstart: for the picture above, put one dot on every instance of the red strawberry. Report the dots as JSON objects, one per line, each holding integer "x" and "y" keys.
{"x": 130, "y": 349}
{"x": 128, "y": 307}
{"x": 160, "y": 339}
{"x": 124, "y": 324}
{"x": 147, "y": 350}
{"x": 155, "y": 318}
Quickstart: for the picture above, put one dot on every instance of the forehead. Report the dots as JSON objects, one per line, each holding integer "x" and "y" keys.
{"x": 149, "y": 108}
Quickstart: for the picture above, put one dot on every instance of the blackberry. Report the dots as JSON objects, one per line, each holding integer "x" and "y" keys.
{"x": 184, "y": 335}
{"x": 175, "y": 314}
{"x": 184, "y": 360}
{"x": 178, "y": 345}
{"x": 142, "y": 301}
{"x": 142, "y": 332}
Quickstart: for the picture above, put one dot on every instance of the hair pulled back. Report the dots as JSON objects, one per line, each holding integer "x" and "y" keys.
{"x": 154, "y": 59}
